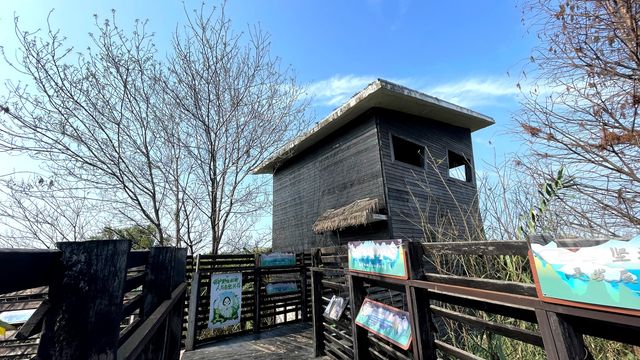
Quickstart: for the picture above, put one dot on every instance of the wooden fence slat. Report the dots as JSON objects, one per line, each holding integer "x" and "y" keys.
{"x": 316, "y": 307}
{"x": 174, "y": 321}
{"x": 193, "y": 307}
{"x": 133, "y": 347}
{"x": 34, "y": 267}
{"x": 77, "y": 325}
{"x": 510, "y": 331}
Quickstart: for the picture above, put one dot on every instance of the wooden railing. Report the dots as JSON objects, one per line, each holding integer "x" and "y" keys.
{"x": 259, "y": 311}
{"x": 103, "y": 300}
{"x": 443, "y": 305}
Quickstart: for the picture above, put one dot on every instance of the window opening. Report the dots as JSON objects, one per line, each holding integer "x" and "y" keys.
{"x": 459, "y": 167}
{"x": 407, "y": 152}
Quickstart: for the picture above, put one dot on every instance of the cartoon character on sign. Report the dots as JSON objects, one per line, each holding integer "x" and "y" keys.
{"x": 226, "y": 307}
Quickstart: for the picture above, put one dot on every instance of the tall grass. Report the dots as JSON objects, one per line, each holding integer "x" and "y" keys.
{"x": 508, "y": 206}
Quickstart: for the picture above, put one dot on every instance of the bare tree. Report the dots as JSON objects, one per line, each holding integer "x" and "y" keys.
{"x": 91, "y": 117}
{"x": 583, "y": 111}
{"x": 169, "y": 143}
{"x": 237, "y": 106}
{"x": 38, "y": 211}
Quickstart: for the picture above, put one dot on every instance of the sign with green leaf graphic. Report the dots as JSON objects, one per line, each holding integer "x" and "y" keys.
{"x": 226, "y": 300}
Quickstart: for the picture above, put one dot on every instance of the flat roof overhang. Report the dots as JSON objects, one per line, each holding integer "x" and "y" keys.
{"x": 382, "y": 94}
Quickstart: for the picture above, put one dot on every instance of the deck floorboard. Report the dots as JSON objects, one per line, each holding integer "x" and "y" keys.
{"x": 292, "y": 342}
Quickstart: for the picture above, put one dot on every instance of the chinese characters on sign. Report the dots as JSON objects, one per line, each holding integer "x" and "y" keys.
{"x": 225, "y": 301}
{"x": 604, "y": 275}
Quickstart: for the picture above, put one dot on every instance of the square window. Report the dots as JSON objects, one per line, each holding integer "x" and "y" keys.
{"x": 459, "y": 167}
{"x": 407, "y": 152}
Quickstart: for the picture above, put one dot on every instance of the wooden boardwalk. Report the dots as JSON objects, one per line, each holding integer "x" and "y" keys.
{"x": 292, "y": 342}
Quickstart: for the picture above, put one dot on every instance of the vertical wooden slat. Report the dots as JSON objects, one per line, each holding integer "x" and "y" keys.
{"x": 85, "y": 301}
{"x": 174, "y": 321}
{"x": 560, "y": 339}
{"x": 303, "y": 293}
{"x": 193, "y": 307}
{"x": 256, "y": 306}
{"x": 156, "y": 289}
{"x": 316, "y": 307}
{"x": 357, "y": 294}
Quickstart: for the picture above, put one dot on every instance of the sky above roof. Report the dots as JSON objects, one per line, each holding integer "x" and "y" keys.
{"x": 468, "y": 52}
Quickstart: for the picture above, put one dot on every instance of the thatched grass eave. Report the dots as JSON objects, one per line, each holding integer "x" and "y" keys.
{"x": 359, "y": 212}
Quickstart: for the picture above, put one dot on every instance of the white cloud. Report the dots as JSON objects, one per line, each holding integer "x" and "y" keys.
{"x": 338, "y": 89}
{"x": 469, "y": 92}
{"x": 475, "y": 91}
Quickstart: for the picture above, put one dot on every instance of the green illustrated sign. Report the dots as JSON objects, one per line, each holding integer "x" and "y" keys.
{"x": 281, "y": 288}
{"x": 604, "y": 275}
{"x": 385, "y": 321}
{"x": 226, "y": 300}
{"x": 277, "y": 259}
{"x": 384, "y": 257}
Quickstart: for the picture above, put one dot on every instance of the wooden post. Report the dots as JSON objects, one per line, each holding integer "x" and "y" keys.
{"x": 418, "y": 305}
{"x": 193, "y": 307}
{"x": 174, "y": 320}
{"x": 157, "y": 288}
{"x": 357, "y": 294}
{"x": 256, "y": 302}
{"x": 303, "y": 284}
{"x": 85, "y": 301}
{"x": 316, "y": 308}
{"x": 561, "y": 341}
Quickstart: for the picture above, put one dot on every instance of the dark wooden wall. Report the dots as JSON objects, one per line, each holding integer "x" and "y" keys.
{"x": 344, "y": 167}
{"x": 416, "y": 194}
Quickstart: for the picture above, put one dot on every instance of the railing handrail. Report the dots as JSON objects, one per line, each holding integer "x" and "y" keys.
{"x": 140, "y": 338}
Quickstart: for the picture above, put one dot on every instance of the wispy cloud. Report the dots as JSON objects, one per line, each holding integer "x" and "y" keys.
{"x": 476, "y": 91}
{"x": 469, "y": 92}
{"x": 337, "y": 89}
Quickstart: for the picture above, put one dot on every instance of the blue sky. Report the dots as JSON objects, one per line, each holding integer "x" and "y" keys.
{"x": 467, "y": 52}
{"x": 461, "y": 51}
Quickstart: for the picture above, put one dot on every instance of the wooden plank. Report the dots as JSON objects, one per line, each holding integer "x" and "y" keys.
{"x": 317, "y": 311}
{"x": 85, "y": 294}
{"x": 510, "y": 331}
{"x": 139, "y": 340}
{"x": 504, "y": 308}
{"x": 506, "y": 247}
{"x": 454, "y": 351}
{"x": 559, "y": 335}
{"x": 357, "y": 294}
{"x": 303, "y": 286}
{"x": 34, "y": 323}
{"x": 193, "y": 308}
{"x": 157, "y": 288}
{"x": 137, "y": 258}
{"x": 134, "y": 281}
{"x": 422, "y": 323}
{"x": 512, "y": 300}
{"x": 131, "y": 305}
{"x": 31, "y": 268}
{"x": 257, "y": 285}
{"x": 174, "y": 322}
{"x": 510, "y": 287}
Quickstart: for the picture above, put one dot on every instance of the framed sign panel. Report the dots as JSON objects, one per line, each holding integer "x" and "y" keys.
{"x": 381, "y": 257}
{"x": 385, "y": 321}
{"x": 277, "y": 259}
{"x": 602, "y": 277}
{"x": 226, "y": 300}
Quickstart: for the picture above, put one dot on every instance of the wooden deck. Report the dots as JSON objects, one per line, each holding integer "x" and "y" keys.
{"x": 292, "y": 342}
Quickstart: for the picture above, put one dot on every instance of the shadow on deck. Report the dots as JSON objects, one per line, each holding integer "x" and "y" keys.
{"x": 292, "y": 342}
